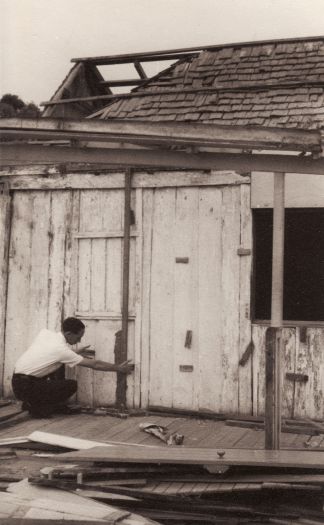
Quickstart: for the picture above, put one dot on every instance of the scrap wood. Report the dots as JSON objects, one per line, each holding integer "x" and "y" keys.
{"x": 6, "y": 453}
{"x": 13, "y": 441}
{"x": 75, "y": 443}
{"x": 170, "y": 438}
{"x": 9, "y": 411}
{"x": 157, "y": 510}
{"x": 12, "y": 414}
{"x": 282, "y": 477}
{"x": 34, "y": 445}
{"x": 211, "y": 458}
{"x": 101, "y": 411}
{"x": 64, "y": 441}
{"x": 303, "y": 511}
{"x": 183, "y": 516}
{"x": 14, "y": 420}
{"x": 309, "y": 430}
{"x": 175, "y": 488}
{"x": 314, "y": 441}
{"x": 315, "y": 424}
{"x": 41, "y": 502}
{"x": 5, "y": 403}
{"x": 89, "y": 472}
{"x": 136, "y": 482}
{"x": 173, "y": 412}
{"x": 46, "y": 521}
{"x": 172, "y": 501}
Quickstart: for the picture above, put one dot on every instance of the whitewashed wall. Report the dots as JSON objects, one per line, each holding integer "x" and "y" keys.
{"x": 65, "y": 258}
{"x": 302, "y": 354}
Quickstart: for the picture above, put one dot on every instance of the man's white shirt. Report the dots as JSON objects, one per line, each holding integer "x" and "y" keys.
{"x": 47, "y": 353}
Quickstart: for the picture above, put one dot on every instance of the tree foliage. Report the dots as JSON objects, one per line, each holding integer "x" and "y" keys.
{"x": 13, "y": 106}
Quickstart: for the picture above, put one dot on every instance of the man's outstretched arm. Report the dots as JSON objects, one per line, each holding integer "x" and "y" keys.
{"x": 125, "y": 368}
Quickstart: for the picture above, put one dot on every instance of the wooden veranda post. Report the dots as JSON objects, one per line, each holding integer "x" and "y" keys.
{"x": 122, "y": 356}
{"x": 5, "y": 223}
{"x": 274, "y": 333}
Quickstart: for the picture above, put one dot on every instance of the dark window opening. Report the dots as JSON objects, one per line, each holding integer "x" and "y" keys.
{"x": 303, "y": 264}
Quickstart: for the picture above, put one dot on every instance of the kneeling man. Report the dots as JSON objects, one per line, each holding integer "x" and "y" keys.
{"x": 33, "y": 382}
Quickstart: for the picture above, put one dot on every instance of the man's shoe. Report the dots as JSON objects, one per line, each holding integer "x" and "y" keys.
{"x": 26, "y": 406}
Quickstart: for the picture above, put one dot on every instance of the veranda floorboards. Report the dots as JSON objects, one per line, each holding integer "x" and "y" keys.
{"x": 201, "y": 430}
{"x": 252, "y": 439}
{"x": 197, "y": 433}
{"x": 147, "y": 438}
{"x": 219, "y": 439}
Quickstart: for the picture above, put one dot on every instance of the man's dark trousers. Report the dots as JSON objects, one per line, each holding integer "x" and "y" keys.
{"x": 42, "y": 396}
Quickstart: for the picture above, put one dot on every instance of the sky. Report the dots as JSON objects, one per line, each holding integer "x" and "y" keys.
{"x": 38, "y": 38}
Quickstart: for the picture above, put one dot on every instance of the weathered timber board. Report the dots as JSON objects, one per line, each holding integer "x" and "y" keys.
{"x": 200, "y": 456}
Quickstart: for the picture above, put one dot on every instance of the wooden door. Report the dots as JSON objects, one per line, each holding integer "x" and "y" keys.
{"x": 98, "y": 256}
{"x": 199, "y": 298}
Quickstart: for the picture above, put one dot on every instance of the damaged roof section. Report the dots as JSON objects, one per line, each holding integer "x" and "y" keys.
{"x": 83, "y": 80}
{"x": 275, "y": 84}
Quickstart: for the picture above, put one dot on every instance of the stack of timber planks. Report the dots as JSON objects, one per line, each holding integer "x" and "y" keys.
{"x": 194, "y": 485}
{"x": 11, "y": 413}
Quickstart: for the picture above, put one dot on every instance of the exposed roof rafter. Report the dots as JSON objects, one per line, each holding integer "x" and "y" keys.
{"x": 27, "y": 154}
{"x": 166, "y": 134}
{"x": 159, "y": 55}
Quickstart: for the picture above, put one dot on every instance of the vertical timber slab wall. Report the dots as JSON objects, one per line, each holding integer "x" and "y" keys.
{"x": 65, "y": 259}
{"x": 301, "y": 355}
{"x": 36, "y": 270}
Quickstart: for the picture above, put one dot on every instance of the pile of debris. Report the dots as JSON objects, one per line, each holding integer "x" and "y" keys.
{"x": 128, "y": 484}
{"x": 192, "y": 485}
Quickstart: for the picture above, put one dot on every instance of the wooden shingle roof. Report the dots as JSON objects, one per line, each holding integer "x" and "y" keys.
{"x": 277, "y": 84}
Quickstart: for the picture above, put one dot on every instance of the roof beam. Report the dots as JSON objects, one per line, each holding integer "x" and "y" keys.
{"x": 129, "y": 59}
{"x": 188, "y": 50}
{"x": 214, "y": 89}
{"x": 22, "y": 154}
{"x": 128, "y": 82}
{"x": 163, "y": 133}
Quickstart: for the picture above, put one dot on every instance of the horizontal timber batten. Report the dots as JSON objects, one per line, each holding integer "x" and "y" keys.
{"x": 243, "y": 87}
{"x": 163, "y": 133}
{"x": 103, "y": 315}
{"x": 20, "y": 154}
{"x": 102, "y": 235}
{"x": 20, "y": 181}
{"x": 291, "y": 324}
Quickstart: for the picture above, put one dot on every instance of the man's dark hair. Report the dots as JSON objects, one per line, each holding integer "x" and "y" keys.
{"x": 73, "y": 325}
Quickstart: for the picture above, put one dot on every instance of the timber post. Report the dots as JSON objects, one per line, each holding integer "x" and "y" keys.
{"x": 274, "y": 333}
{"x": 121, "y": 388}
{"x": 5, "y": 227}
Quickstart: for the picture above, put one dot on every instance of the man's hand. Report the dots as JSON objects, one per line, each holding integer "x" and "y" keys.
{"x": 84, "y": 350}
{"x": 126, "y": 367}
